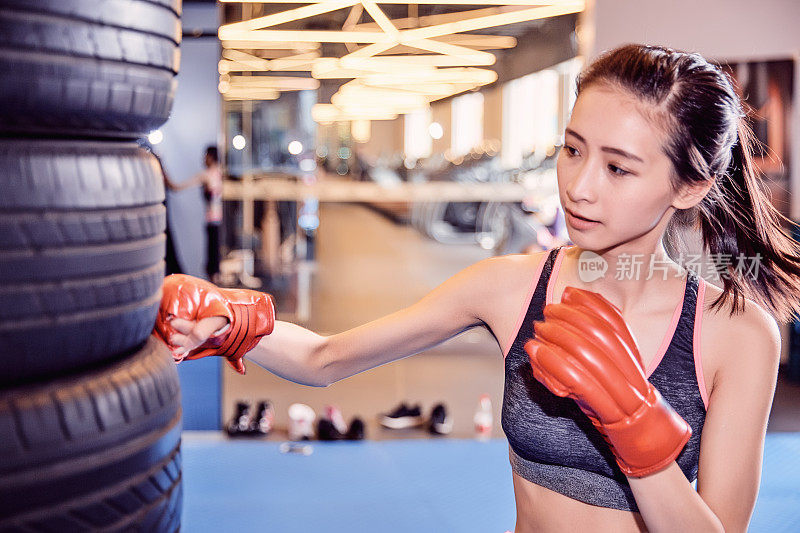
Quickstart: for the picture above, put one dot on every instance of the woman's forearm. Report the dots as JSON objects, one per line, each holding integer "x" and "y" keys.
{"x": 667, "y": 502}
{"x": 291, "y": 352}
{"x": 299, "y": 355}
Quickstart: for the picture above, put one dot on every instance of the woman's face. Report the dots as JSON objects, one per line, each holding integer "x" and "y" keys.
{"x": 612, "y": 170}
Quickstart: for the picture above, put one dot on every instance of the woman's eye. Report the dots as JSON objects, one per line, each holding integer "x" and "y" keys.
{"x": 570, "y": 150}
{"x": 617, "y": 171}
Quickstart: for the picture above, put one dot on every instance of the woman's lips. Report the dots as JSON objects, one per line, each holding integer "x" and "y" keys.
{"x": 576, "y": 215}
{"x": 580, "y": 223}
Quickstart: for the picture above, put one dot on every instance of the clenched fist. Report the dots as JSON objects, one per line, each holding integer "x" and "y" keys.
{"x": 240, "y": 318}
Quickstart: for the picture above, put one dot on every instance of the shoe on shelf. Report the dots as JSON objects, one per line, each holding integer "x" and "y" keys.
{"x": 356, "y": 430}
{"x": 440, "y": 423}
{"x": 334, "y": 415}
{"x": 301, "y": 422}
{"x": 264, "y": 419}
{"x": 326, "y": 430}
{"x": 239, "y": 425}
{"x": 402, "y": 417}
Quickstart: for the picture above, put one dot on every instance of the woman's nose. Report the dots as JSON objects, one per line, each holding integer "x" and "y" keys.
{"x": 583, "y": 185}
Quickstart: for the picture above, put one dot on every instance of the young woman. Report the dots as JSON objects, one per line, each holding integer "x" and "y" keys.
{"x": 656, "y": 144}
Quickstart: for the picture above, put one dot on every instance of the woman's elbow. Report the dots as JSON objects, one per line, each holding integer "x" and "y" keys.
{"x": 321, "y": 364}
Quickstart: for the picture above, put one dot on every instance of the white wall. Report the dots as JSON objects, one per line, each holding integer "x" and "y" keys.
{"x": 193, "y": 125}
{"x": 718, "y": 29}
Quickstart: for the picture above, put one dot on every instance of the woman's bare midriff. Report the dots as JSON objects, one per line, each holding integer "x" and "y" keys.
{"x": 541, "y": 510}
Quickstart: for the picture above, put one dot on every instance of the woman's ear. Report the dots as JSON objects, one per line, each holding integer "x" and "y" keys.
{"x": 691, "y": 195}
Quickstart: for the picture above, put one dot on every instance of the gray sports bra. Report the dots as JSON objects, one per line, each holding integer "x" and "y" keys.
{"x": 553, "y": 444}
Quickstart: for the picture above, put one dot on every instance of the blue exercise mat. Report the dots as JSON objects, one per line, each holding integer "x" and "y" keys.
{"x": 397, "y": 486}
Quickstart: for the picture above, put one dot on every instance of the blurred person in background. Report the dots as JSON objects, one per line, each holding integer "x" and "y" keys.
{"x": 210, "y": 178}
{"x": 172, "y": 265}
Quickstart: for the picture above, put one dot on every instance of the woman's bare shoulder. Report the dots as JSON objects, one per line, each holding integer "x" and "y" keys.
{"x": 509, "y": 279}
{"x": 514, "y": 268}
{"x": 520, "y": 261}
{"x": 505, "y": 277}
{"x": 751, "y": 315}
{"x": 726, "y": 334}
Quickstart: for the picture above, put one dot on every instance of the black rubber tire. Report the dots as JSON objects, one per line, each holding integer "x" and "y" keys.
{"x": 56, "y": 301}
{"x": 76, "y": 175}
{"x": 50, "y": 328}
{"x": 70, "y": 262}
{"x": 88, "y": 67}
{"x": 94, "y": 452}
{"x": 81, "y": 254}
{"x": 39, "y": 229}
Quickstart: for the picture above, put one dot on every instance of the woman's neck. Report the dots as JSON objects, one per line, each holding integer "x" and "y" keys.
{"x": 628, "y": 279}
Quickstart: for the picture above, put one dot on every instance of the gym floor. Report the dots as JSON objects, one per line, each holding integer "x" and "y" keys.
{"x": 369, "y": 267}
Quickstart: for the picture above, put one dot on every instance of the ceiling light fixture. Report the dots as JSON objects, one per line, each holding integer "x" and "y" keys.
{"x": 388, "y": 74}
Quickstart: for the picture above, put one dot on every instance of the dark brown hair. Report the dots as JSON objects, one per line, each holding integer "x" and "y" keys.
{"x": 709, "y": 139}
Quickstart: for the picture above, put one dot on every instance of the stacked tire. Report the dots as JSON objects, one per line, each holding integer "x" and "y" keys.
{"x": 90, "y": 415}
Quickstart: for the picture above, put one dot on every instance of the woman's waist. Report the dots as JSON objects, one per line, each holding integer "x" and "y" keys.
{"x": 542, "y": 510}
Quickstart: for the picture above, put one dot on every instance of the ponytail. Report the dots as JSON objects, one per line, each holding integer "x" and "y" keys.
{"x": 738, "y": 222}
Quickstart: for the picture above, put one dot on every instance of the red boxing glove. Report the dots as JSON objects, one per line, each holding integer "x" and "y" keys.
{"x": 250, "y": 314}
{"x": 584, "y": 350}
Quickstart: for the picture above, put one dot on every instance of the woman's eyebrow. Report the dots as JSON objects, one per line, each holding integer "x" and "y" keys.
{"x": 607, "y": 149}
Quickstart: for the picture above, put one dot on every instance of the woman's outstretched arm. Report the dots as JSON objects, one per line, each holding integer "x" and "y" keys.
{"x": 302, "y": 356}
{"x": 291, "y": 352}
